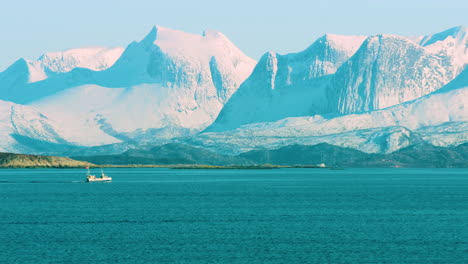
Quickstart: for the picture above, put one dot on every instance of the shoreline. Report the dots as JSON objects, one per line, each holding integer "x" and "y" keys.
{"x": 175, "y": 166}
{"x": 223, "y": 167}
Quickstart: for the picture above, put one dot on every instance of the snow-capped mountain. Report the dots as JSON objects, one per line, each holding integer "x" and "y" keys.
{"x": 440, "y": 118}
{"x": 93, "y": 58}
{"x": 400, "y": 76}
{"x": 169, "y": 80}
{"x": 25, "y": 72}
{"x": 377, "y": 94}
{"x": 170, "y": 84}
{"x": 288, "y": 85}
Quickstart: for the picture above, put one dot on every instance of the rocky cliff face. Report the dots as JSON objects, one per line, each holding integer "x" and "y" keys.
{"x": 387, "y": 70}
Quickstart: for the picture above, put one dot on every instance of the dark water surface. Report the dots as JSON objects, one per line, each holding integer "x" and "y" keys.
{"x": 235, "y": 216}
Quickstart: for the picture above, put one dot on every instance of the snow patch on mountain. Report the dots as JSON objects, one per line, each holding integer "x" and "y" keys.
{"x": 125, "y": 113}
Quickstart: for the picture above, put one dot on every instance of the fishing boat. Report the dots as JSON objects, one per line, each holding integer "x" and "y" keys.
{"x": 94, "y": 178}
{"x": 321, "y": 165}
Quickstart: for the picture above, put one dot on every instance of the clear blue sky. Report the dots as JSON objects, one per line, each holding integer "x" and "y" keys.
{"x": 30, "y": 28}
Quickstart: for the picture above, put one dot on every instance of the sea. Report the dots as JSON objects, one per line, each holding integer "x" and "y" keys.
{"x": 161, "y": 215}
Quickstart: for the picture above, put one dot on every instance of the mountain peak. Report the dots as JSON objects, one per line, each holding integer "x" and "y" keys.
{"x": 210, "y": 33}
{"x": 344, "y": 43}
{"x": 459, "y": 29}
{"x": 151, "y": 36}
{"x": 381, "y": 37}
{"x": 269, "y": 55}
{"x": 19, "y": 65}
{"x": 460, "y": 33}
{"x": 378, "y": 40}
{"x": 20, "y": 61}
{"x": 269, "y": 62}
{"x": 159, "y": 33}
{"x": 332, "y": 37}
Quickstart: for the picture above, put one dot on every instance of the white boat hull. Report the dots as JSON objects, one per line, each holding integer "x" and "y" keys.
{"x": 107, "y": 179}
{"x": 93, "y": 178}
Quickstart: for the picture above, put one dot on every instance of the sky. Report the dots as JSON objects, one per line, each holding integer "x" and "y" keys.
{"x": 31, "y": 28}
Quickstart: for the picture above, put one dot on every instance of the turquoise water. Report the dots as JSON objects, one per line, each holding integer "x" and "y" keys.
{"x": 235, "y": 216}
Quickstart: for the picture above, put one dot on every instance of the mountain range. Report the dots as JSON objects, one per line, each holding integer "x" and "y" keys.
{"x": 375, "y": 94}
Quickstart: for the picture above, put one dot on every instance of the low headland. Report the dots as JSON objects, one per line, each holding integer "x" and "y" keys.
{"x": 11, "y": 160}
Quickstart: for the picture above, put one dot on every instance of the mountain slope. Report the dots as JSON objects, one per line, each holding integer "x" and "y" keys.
{"x": 17, "y": 120}
{"x": 387, "y": 70}
{"x": 25, "y": 129}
